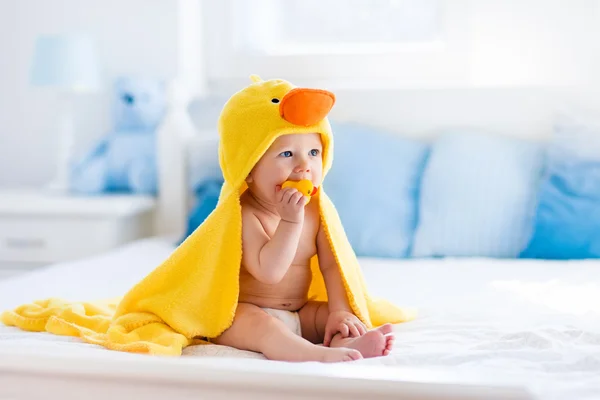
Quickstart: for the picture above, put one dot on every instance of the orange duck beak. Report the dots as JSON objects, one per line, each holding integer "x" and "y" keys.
{"x": 306, "y": 107}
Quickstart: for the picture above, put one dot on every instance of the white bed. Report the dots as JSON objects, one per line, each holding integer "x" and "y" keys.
{"x": 487, "y": 329}
{"x": 482, "y": 322}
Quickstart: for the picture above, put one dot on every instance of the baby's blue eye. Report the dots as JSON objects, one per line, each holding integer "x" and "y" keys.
{"x": 314, "y": 152}
{"x": 286, "y": 154}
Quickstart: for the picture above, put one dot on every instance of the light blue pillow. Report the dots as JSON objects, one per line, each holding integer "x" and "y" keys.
{"x": 374, "y": 184}
{"x": 567, "y": 224}
{"x": 478, "y": 196}
{"x": 206, "y": 200}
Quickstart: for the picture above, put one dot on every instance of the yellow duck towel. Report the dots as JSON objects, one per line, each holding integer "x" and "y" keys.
{"x": 194, "y": 293}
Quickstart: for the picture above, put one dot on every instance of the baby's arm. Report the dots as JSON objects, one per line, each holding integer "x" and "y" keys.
{"x": 268, "y": 259}
{"x": 341, "y": 318}
{"x": 336, "y": 293}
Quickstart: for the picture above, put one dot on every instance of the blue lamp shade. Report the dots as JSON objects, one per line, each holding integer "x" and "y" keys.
{"x": 67, "y": 62}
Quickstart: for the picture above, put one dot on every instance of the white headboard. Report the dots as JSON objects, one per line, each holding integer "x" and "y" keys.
{"x": 174, "y": 137}
{"x": 525, "y": 112}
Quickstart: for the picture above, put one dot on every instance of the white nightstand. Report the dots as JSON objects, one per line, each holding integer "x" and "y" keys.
{"x": 38, "y": 228}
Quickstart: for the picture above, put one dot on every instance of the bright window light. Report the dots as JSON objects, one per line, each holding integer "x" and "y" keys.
{"x": 353, "y": 26}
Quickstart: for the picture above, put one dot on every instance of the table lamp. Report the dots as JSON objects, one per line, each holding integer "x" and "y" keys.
{"x": 67, "y": 63}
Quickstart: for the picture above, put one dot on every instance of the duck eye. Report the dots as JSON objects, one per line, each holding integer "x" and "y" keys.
{"x": 275, "y": 100}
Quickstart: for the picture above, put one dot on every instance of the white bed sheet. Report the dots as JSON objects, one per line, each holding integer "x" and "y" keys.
{"x": 519, "y": 321}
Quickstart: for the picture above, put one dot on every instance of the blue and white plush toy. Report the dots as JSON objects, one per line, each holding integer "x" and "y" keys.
{"x": 125, "y": 160}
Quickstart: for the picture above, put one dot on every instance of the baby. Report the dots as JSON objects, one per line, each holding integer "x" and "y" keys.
{"x": 280, "y": 234}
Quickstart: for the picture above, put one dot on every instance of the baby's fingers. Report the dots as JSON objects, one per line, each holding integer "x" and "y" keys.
{"x": 287, "y": 194}
{"x": 354, "y": 331}
{"x": 296, "y": 197}
{"x": 281, "y": 194}
{"x": 302, "y": 200}
{"x": 362, "y": 328}
{"x": 329, "y": 334}
{"x": 344, "y": 330}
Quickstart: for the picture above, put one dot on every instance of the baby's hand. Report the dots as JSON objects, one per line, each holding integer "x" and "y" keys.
{"x": 345, "y": 323}
{"x": 290, "y": 205}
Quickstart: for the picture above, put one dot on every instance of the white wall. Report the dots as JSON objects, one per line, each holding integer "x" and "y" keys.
{"x": 133, "y": 36}
{"x": 511, "y": 43}
{"x": 535, "y": 42}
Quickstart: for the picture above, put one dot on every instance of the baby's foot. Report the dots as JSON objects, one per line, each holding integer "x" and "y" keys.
{"x": 339, "y": 354}
{"x": 375, "y": 343}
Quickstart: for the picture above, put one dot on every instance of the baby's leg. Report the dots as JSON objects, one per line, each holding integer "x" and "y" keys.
{"x": 375, "y": 343}
{"x": 255, "y": 330}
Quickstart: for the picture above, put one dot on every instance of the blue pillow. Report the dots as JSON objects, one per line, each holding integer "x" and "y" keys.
{"x": 567, "y": 223}
{"x": 478, "y": 196}
{"x": 374, "y": 184}
{"x": 207, "y": 197}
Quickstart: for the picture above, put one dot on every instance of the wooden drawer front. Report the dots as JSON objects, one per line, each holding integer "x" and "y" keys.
{"x": 25, "y": 239}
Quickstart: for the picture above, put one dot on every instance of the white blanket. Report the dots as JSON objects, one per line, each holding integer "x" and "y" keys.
{"x": 530, "y": 322}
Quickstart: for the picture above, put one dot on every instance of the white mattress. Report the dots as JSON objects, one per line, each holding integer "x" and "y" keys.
{"x": 525, "y": 322}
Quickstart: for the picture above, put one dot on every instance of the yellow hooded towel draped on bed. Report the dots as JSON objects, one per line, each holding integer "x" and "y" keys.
{"x": 193, "y": 294}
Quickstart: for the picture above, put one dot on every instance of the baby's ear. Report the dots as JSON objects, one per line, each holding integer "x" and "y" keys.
{"x": 249, "y": 178}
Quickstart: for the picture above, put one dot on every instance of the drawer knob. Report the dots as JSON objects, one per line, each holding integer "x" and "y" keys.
{"x": 25, "y": 243}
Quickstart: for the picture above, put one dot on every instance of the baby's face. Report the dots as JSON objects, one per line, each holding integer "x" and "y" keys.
{"x": 290, "y": 157}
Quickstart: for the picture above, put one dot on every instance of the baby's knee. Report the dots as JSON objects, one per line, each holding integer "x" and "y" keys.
{"x": 247, "y": 330}
{"x": 252, "y": 315}
{"x": 256, "y": 323}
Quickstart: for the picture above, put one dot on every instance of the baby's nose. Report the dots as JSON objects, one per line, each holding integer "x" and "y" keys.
{"x": 302, "y": 168}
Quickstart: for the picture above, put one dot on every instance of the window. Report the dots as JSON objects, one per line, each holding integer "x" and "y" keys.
{"x": 334, "y": 26}
{"x": 343, "y": 43}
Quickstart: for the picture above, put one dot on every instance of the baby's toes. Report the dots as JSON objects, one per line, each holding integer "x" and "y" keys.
{"x": 388, "y": 345}
{"x": 353, "y": 355}
{"x": 386, "y": 329}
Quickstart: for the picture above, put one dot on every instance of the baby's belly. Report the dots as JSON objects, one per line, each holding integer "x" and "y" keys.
{"x": 289, "y": 294}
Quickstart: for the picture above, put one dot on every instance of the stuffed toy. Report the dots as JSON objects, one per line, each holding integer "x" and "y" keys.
{"x": 125, "y": 160}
